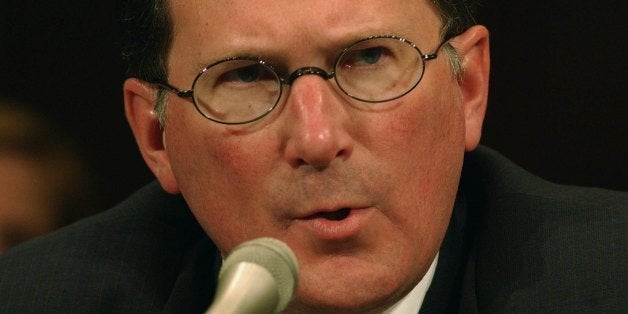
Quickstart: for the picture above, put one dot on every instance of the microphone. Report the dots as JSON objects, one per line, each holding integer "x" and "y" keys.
{"x": 259, "y": 276}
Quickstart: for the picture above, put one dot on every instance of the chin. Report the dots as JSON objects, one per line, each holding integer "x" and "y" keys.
{"x": 348, "y": 288}
{"x": 339, "y": 304}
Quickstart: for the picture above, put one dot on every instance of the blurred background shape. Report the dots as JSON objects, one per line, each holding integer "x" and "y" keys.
{"x": 44, "y": 182}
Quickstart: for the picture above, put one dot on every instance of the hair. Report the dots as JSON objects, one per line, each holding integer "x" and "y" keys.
{"x": 457, "y": 16}
{"x": 147, "y": 35}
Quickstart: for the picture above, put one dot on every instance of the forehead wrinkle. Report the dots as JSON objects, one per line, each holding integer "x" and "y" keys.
{"x": 262, "y": 31}
{"x": 283, "y": 21}
{"x": 255, "y": 33}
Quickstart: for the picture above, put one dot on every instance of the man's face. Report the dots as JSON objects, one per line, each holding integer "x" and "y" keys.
{"x": 363, "y": 197}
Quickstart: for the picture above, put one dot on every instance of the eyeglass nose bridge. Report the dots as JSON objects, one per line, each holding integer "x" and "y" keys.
{"x": 307, "y": 71}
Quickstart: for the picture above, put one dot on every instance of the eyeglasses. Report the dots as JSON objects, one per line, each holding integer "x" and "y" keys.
{"x": 242, "y": 90}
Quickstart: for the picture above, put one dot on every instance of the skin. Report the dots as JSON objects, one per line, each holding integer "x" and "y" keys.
{"x": 397, "y": 169}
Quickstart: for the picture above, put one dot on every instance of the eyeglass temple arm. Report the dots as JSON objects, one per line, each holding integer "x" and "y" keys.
{"x": 176, "y": 91}
{"x": 433, "y": 55}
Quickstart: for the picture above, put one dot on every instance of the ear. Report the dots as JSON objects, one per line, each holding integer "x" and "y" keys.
{"x": 139, "y": 102}
{"x": 473, "y": 49}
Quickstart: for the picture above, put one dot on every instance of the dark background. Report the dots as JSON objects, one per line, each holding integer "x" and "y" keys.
{"x": 557, "y": 104}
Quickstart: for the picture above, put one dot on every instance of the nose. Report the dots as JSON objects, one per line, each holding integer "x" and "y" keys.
{"x": 317, "y": 129}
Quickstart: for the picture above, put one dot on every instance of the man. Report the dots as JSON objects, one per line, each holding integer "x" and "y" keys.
{"x": 341, "y": 129}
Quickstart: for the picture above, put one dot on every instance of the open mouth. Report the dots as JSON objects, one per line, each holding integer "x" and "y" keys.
{"x": 334, "y": 216}
{"x": 338, "y": 224}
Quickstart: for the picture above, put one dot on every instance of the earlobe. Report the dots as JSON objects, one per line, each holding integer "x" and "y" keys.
{"x": 139, "y": 100}
{"x": 473, "y": 48}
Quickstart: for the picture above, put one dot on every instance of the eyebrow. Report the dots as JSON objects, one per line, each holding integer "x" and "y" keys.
{"x": 274, "y": 57}
{"x": 204, "y": 64}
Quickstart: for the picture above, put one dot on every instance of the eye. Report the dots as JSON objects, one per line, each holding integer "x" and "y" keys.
{"x": 366, "y": 57}
{"x": 370, "y": 55}
{"x": 248, "y": 74}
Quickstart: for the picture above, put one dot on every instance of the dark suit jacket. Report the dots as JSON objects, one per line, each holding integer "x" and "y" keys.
{"x": 515, "y": 244}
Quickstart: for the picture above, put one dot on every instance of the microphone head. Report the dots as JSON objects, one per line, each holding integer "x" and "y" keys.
{"x": 273, "y": 255}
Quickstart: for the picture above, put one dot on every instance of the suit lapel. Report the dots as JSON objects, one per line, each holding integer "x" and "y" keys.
{"x": 452, "y": 289}
{"x": 194, "y": 288}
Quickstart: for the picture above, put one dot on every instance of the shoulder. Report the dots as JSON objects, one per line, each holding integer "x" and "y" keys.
{"x": 127, "y": 255}
{"x": 498, "y": 184}
{"x": 542, "y": 245}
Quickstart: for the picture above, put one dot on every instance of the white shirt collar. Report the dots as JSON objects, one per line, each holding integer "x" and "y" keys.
{"x": 412, "y": 302}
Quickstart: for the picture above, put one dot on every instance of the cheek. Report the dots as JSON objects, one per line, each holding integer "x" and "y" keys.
{"x": 219, "y": 176}
{"x": 204, "y": 152}
{"x": 425, "y": 148}
{"x": 428, "y": 130}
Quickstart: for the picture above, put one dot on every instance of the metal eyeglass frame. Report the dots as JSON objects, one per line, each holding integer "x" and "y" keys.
{"x": 185, "y": 94}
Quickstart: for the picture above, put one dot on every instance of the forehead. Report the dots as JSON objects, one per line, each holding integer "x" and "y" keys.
{"x": 218, "y": 27}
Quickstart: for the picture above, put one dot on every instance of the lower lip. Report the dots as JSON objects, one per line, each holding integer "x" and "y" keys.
{"x": 339, "y": 230}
